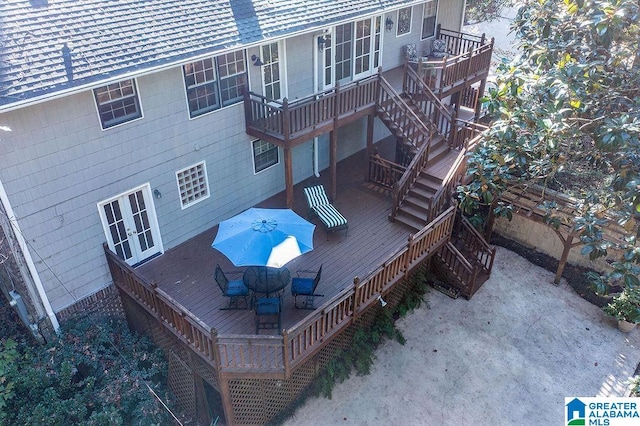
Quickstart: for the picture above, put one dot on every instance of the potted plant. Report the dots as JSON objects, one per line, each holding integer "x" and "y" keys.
{"x": 625, "y": 307}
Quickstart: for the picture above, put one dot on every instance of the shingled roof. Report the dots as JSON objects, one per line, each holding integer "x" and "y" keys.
{"x": 53, "y": 46}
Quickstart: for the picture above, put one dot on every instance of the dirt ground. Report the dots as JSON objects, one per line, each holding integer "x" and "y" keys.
{"x": 510, "y": 355}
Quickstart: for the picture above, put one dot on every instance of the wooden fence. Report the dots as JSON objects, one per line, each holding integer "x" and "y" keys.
{"x": 281, "y": 354}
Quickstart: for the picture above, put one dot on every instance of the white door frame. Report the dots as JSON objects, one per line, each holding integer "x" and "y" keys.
{"x": 282, "y": 66}
{"x": 131, "y": 227}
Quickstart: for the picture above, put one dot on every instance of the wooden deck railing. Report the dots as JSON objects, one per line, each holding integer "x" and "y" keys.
{"x": 449, "y": 72}
{"x": 309, "y": 335}
{"x": 384, "y": 172}
{"x": 458, "y": 42}
{"x": 178, "y": 319}
{"x": 281, "y": 354}
{"x": 461, "y": 268}
{"x": 467, "y": 135}
{"x": 439, "y": 200}
{"x": 403, "y": 186}
{"x": 414, "y": 130}
{"x": 421, "y": 95}
{"x": 290, "y": 120}
{"x": 475, "y": 243}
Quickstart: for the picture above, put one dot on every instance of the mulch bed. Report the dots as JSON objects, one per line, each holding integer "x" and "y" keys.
{"x": 576, "y": 276}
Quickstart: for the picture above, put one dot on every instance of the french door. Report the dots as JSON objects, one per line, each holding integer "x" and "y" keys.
{"x": 130, "y": 225}
{"x": 272, "y": 84}
{"x": 351, "y": 51}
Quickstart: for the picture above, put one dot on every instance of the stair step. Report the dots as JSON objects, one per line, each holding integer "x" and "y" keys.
{"x": 416, "y": 201}
{"x": 409, "y": 221}
{"x": 424, "y": 193}
{"x": 428, "y": 182}
{"x": 415, "y": 210}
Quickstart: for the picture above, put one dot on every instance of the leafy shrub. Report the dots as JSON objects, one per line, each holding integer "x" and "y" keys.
{"x": 95, "y": 373}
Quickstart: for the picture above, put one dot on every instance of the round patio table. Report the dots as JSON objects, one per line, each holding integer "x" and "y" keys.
{"x": 266, "y": 280}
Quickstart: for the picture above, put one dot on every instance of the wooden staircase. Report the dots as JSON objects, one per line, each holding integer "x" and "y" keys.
{"x": 465, "y": 261}
{"x": 414, "y": 211}
{"x": 430, "y": 140}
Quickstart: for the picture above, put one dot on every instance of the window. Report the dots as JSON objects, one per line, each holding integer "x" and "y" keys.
{"x": 429, "y": 19}
{"x": 265, "y": 155}
{"x": 404, "y": 21}
{"x": 215, "y": 82}
{"x": 117, "y": 103}
{"x": 343, "y": 51}
{"x": 352, "y": 51}
{"x": 271, "y": 71}
{"x": 193, "y": 184}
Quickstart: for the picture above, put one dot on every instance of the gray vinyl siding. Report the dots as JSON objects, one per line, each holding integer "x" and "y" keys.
{"x": 56, "y": 164}
{"x": 450, "y": 14}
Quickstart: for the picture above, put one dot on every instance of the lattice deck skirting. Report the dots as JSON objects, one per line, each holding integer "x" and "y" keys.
{"x": 253, "y": 401}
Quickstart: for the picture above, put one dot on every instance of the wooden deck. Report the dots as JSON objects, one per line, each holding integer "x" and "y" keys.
{"x": 185, "y": 272}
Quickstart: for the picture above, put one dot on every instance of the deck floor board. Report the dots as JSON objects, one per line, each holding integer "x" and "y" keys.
{"x": 185, "y": 272}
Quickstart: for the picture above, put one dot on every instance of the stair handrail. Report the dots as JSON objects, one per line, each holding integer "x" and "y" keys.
{"x": 471, "y": 268}
{"x": 410, "y": 175}
{"x": 426, "y": 90}
{"x": 420, "y": 159}
{"x": 396, "y": 99}
{"x": 438, "y": 199}
{"x": 423, "y": 89}
{"x": 480, "y": 245}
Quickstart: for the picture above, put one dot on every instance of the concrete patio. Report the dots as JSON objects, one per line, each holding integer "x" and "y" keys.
{"x": 509, "y": 356}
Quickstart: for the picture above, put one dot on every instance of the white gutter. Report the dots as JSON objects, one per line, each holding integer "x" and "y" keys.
{"x": 152, "y": 70}
{"x": 4, "y": 199}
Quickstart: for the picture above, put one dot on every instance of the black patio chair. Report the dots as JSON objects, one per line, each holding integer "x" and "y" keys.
{"x": 268, "y": 313}
{"x": 306, "y": 286}
{"x": 234, "y": 289}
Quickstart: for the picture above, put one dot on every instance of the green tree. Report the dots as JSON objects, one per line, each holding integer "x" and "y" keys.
{"x": 484, "y": 10}
{"x": 567, "y": 116}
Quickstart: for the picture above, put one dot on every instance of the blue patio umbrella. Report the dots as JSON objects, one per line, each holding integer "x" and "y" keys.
{"x": 264, "y": 237}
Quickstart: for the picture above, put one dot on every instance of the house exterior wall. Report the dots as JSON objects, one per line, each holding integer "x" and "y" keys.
{"x": 57, "y": 163}
{"x": 450, "y": 14}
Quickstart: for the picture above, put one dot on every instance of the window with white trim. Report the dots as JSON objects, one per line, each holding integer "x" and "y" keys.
{"x": 193, "y": 184}
{"x": 429, "y": 19}
{"x": 271, "y": 71}
{"x": 352, "y": 50}
{"x": 265, "y": 155}
{"x": 404, "y": 21}
{"x": 117, "y": 103}
{"x": 214, "y": 83}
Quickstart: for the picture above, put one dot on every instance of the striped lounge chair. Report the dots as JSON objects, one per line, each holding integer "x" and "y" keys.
{"x": 320, "y": 206}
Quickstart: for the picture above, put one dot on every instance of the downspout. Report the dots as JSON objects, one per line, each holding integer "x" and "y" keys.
{"x": 316, "y": 61}
{"x": 4, "y": 199}
{"x": 316, "y": 172}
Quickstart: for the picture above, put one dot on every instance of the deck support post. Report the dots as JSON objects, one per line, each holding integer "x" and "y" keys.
{"x": 288, "y": 176}
{"x": 333, "y": 154}
{"x": 333, "y": 146}
{"x": 370, "y": 123}
{"x": 356, "y": 297}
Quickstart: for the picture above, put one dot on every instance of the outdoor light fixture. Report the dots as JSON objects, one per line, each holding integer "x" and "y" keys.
{"x": 388, "y": 23}
{"x": 382, "y": 302}
{"x": 321, "y": 42}
{"x": 157, "y": 193}
{"x": 256, "y": 60}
